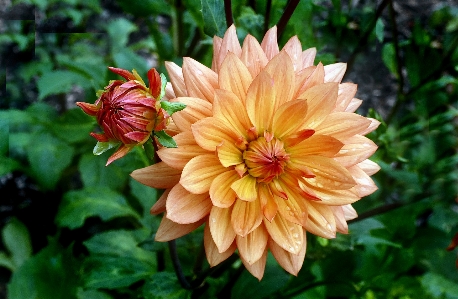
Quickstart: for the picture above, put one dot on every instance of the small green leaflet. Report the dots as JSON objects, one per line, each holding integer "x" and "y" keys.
{"x": 163, "y": 85}
{"x": 102, "y": 147}
{"x": 165, "y": 139}
{"x": 214, "y": 17}
{"x": 171, "y": 108}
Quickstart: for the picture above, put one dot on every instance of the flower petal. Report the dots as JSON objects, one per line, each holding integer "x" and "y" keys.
{"x": 347, "y": 92}
{"x": 286, "y": 234}
{"x": 200, "y": 81}
{"x": 221, "y": 192}
{"x": 356, "y": 149}
{"x": 159, "y": 206}
{"x": 321, "y": 100}
{"x": 292, "y": 209}
{"x": 211, "y": 132}
{"x": 365, "y": 185}
{"x": 184, "y": 207}
{"x": 176, "y": 78}
{"x": 260, "y": 102}
{"x": 308, "y": 57}
{"x": 257, "y": 268}
{"x": 199, "y": 173}
{"x": 268, "y": 203}
{"x": 369, "y": 167}
{"x": 281, "y": 70}
{"x": 159, "y": 175}
{"x": 341, "y": 223}
{"x": 230, "y": 109}
{"x": 334, "y": 72}
{"x": 245, "y": 188}
{"x": 308, "y": 78}
{"x": 289, "y": 118}
{"x": 215, "y": 257}
{"x": 169, "y": 230}
{"x": 290, "y": 262}
{"x": 217, "y": 41}
{"x": 321, "y": 220}
{"x": 320, "y": 145}
{"x": 253, "y": 56}
{"x": 229, "y": 154}
{"x": 252, "y": 246}
{"x": 234, "y": 76}
{"x": 294, "y": 49}
{"x": 269, "y": 43}
{"x": 196, "y": 109}
{"x": 372, "y": 127}
{"x": 342, "y": 125}
{"x": 354, "y": 104}
{"x": 221, "y": 229}
{"x": 349, "y": 212}
{"x": 230, "y": 43}
{"x": 332, "y": 197}
{"x": 246, "y": 217}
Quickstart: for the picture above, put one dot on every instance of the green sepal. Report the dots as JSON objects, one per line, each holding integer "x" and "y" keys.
{"x": 171, "y": 108}
{"x": 102, "y": 147}
{"x": 163, "y": 85}
{"x": 165, "y": 139}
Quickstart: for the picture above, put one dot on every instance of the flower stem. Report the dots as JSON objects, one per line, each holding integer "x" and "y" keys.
{"x": 177, "y": 266}
{"x": 267, "y": 15}
{"x": 228, "y": 11}
{"x": 290, "y": 7}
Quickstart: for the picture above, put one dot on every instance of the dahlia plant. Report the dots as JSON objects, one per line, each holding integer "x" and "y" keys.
{"x": 269, "y": 148}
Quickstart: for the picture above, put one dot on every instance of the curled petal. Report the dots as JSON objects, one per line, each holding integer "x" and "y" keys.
{"x": 221, "y": 192}
{"x": 184, "y": 207}
{"x": 159, "y": 175}
{"x": 321, "y": 220}
{"x": 347, "y": 92}
{"x": 217, "y": 41}
{"x": 245, "y": 188}
{"x": 159, "y": 206}
{"x": 354, "y": 104}
{"x": 169, "y": 230}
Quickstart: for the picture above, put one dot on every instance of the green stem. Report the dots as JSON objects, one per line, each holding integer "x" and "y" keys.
{"x": 177, "y": 266}
{"x": 290, "y": 7}
{"x": 267, "y": 16}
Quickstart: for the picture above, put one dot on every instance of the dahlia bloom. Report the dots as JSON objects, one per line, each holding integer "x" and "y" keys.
{"x": 127, "y": 112}
{"x": 268, "y": 149}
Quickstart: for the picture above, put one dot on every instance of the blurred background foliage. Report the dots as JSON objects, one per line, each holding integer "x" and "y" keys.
{"x": 73, "y": 228}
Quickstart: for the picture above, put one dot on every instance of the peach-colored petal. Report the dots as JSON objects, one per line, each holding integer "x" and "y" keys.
{"x": 217, "y": 41}
{"x": 320, "y": 145}
{"x": 196, "y": 109}
{"x": 184, "y": 207}
{"x": 210, "y": 132}
{"x": 230, "y": 109}
{"x": 281, "y": 70}
{"x": 307, "y": 81}
{"x": 257, "y": 268}
{"x": 246, "y": 216}
{"x": 169, "y": 230}
{"x": 289, "y": 118}
{"x": 356, "y": 149}
{"x": 215, "y": 257}
{"x": 187, "y": 149}
{"x": 354, "y": 104}
{"x": 245, "y": 188}
{"x": 349, "y": 212}
{"x": 321, "y": 100}
{"x": 369, "y": 167}
{"x": 372, "y": 127}
{"x": 269, "y": 43}
{"x": 308, "y": 57}
{"x": 342, "y": 125}
{"x": 290, "y": 262}
{"x": 176, "y": 78}
{"x": 334, "y": 72}
{"x": 221, "y": 229}
{"x": 268, "y": 203}
{"x": 200, "y": 81}
{"x": 169, "y": 93}
{"x": 292, "y": 209}
{"x": 253, "y": 56}
{"x": 252, "y": 246}
{"x": 341, "y": 223}
{"x": 346, "y": 93}
{"x": 221, "y": 192}
{"x": 301, "y": 77}
{"x": 159, "y": 175}
{"x": 294, "y": 49}
{"x": 286, "y": 234}
{"x": 365, "y": 185}
{"x": 321, "y": 220}
{"x": 199, "y": 173}
{"x": 119, "y": 153}
{"x": 159, "y": 206}
{"x": 234, "y": 76}
{"x": 230, "y": 43}
{"x": 260, "y": 102}
{"x": 331, "y": 197}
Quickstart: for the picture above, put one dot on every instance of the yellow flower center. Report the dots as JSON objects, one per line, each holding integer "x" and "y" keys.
{"x": 264, "y": 159}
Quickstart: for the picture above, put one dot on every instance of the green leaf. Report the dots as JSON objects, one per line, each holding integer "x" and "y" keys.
{"x": 171, "y": 108}
{"x": 57, "y": 82}
{"x": 164, "y": 285}
{"x": 73, "y": 126}
{"x": 92, "y": 294}
{"x": 214, "y": 17}
{"x": 389, "y": 58}
{"x": 94, "y": 173}
{"x": 102, "y": 147}
{"x": 439, "y": 286}
{"x": 165, "y": 139}
{"x": 6, "y": 261}
{"x": 48, "y": 157}
{"x": 17, "y": 240}
{"x": 145, "y": 8}
{"x": 119, "y": 31}
{"x": 76, "y": 206}
{"x": 127, "y": 59}
{"x": 379, "y": 30}
{"x": 8, "y": 165}
{"x": 52, "y": 273}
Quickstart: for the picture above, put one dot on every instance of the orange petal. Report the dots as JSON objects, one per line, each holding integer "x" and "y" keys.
{"x": 176, "y": 78}
{"x": 341, "y": 223}
{"x": 354, "y": 104}
{"x": 285, "y": 233}
{"x": 159, "y": 206}
{"x": 320, "y": 145}
{"x": 308, "y": 57}
{"x": 365, "y": 185}
{"x": 321, "y": 100}
{"x": 229, "y": 154}
{"x": 332, "y": 197}
{"x": 268, "y": 204}
{"x": 281, "y": 70}
{"x": 119, "y": 153}
{"x": 356, "y": 149}
{"x": 300, "y": 78}
{"x": 294, "y": 49}
{"x": 184, "y": 207}
{"x": 334, "y": 72}
{"x": 293, "y": 209}
{"x": 217, "y": 41}
{"x": 179, "y": 156}
{"x": 253, "y": 56}
{"x": 169, "y": 93}
{"x": 159, "y": 175}
{"x": 252, "y": 246}
{"x": 199, "y": 173}
{"x": 234, "y": 76}
{"x": 289, "y": 118}
{"x": 290, "y": 262}
{"x": 230, "y": 43}
{"x": 200, "y": 81}
{"x": 346, "y": 93}
{"x": 169, "y": 230}
{"x": 221, "y": 229}
{"x": 246, "y": 217}
{"x": 245, "y": 188}
{"x": 321, "y": 220}
{"x": 260, "y": 102}
{"x": 256, "y": 269}
{"x": 369, "y": 167}
{"x": 196, "y": 109}
{"x": 221, "y": 192}
{"x": 316, "y": 77}
{"x": 342, "y": 125}
{"x": 214, "y": 257}
{"x": 230, "y": 109}
{"x": 211, "y": 132}
{"x": 269, "y": 43}
{"x": 372, "y": 127}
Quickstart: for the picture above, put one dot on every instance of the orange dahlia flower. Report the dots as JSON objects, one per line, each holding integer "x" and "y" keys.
{"x": 268, "y": 149}
{"x": 127, "y": 112}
